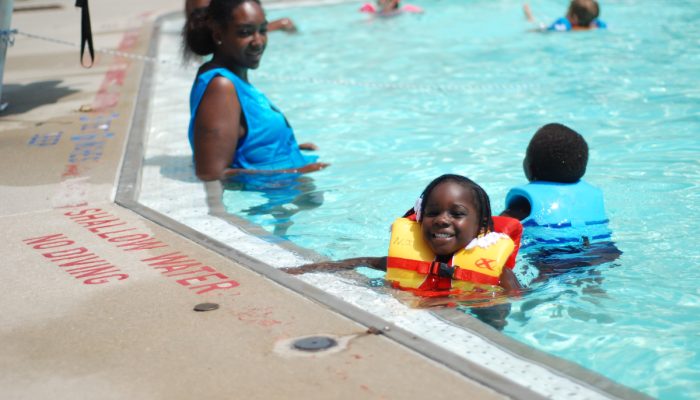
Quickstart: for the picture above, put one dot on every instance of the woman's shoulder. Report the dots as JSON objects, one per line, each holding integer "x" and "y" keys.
{"x": 209, "y": 72}
{"x": 210, "y": 69}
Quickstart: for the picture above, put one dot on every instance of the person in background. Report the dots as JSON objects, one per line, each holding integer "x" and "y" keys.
{"x": 581, "y": 15}
{"x": 234, "y": 129}
{"x": 389, "y": 7}
{"x": 563, "y": 216}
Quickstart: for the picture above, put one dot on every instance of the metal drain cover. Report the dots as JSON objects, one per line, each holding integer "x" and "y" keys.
{"x": 206, "y": 307}
{"x": 315, "y": 343}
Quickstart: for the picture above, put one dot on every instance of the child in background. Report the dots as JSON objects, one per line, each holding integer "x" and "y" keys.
{"x": 445, "y": 246}
{"x": 582, "y": 15}
{"x": 389, "y": 7}
{"x": 562, "y": 215}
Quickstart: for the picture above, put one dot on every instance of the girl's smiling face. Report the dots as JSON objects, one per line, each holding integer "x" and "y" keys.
{"x": 450, "y": 218}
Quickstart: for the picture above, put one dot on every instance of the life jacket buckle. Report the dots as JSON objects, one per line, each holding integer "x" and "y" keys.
{"x": 441, "y": 269}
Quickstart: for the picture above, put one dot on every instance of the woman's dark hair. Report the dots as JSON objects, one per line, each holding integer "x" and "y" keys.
{"x": 197, "y": 32}
{"x": 557, "y": 153}
{"x": 481, "y": 200}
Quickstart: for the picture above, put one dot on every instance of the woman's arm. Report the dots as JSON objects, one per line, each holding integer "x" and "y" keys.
{"x": 330, "y": 266}
{"x": 313, "y": 167}
{"x": 217, "y": 128}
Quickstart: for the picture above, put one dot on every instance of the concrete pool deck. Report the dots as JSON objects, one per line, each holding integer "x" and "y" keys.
{"x": 101, "y": 290}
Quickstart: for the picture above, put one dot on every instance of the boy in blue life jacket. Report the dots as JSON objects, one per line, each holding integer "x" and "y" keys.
{"x": 564, "y": 219}
{"x": 581, "y": 15}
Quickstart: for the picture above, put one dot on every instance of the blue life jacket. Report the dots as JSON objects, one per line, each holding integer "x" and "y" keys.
{"x": 562, "y": 213}
{"x": 563, "y": 25}
{"x": 269, "y": 143}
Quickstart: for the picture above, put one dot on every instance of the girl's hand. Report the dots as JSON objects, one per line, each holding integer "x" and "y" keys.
{"x": 308, "y": 146}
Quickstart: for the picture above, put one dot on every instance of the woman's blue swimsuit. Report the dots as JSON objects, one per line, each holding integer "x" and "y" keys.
{"x": 269, "y": 143}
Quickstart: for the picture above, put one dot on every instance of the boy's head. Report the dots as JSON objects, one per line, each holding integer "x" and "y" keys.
{"x": 556, "y": 153}
{"x": 583, "y": 12}
{"x": 453, "y": 211}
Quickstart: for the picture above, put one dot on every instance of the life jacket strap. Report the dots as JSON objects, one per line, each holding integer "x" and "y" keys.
{"x": 473, "y": 276}
{"x": 422, "y": 267}
{"x": 442, "y": 270}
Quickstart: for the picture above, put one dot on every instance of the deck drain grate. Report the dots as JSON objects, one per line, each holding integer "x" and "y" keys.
{"x": 315, "y": 343}
{"x": 206, "y": 307}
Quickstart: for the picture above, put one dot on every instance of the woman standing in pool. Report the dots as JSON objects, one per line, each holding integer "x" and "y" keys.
{"x": 234, "y": 128}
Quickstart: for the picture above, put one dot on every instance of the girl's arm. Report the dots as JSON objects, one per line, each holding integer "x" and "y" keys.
{"x": 331, "y": 266}
{"x": 509, "y": 282}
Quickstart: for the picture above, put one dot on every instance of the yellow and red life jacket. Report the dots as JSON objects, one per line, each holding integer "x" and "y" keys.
{"x": 411, "y": 263}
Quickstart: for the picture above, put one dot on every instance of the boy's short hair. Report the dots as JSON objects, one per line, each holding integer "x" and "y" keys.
{"x": 585, "y": 11}
{"x": 556, "y": 153}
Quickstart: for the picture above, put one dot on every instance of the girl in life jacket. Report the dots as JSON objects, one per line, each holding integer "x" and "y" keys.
{"x": 445, "y": 246}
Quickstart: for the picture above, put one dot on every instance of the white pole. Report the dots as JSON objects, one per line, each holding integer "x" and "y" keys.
{"x": 5, "y": 38}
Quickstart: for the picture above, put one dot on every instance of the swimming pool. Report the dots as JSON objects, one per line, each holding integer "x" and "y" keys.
{"x": 461, "y": 89}
{"x": 394, "y": 102}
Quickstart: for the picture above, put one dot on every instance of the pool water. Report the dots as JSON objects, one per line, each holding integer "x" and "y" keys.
{"x": 394, "y": 102}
